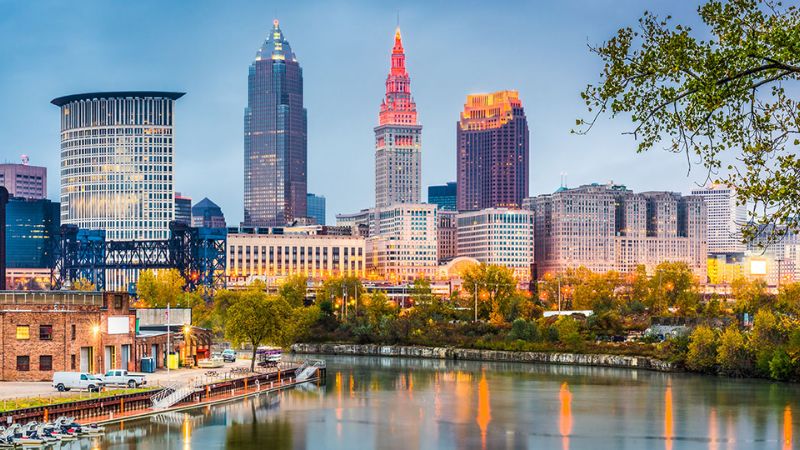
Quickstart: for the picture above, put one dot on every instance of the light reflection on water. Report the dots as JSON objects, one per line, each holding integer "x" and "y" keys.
{"x": 431, "y": 404}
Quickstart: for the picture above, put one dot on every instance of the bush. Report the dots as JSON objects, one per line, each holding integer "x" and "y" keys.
{"x": 568, "y": 331}
{"x": 780, "y": 366}
{"x": 733, "y": 356}
{"x": 702, "y": 354}
{"x": 523, "y": 330}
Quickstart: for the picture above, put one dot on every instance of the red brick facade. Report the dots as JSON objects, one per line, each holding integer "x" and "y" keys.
{"x": 41, "y": 333}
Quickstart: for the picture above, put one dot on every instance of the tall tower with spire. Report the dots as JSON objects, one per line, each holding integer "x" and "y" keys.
{"x": 275, "y": 136}
{"x": 398, "y": 137}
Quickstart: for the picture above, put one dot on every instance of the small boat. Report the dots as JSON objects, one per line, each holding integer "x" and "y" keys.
{"x": 211, "y": 363}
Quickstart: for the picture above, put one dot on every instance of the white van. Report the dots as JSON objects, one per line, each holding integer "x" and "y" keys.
{"x": 64, "y": 381}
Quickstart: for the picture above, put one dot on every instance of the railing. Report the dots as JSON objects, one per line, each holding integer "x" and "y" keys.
{"x": 165, "y": 392}
{"x": 308, "y": 368}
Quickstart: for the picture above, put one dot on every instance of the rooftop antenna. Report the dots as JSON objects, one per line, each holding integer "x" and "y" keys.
{"x": 25, "y": 159}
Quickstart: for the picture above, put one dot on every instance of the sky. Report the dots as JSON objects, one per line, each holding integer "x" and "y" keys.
{"x": 204, "y": 48}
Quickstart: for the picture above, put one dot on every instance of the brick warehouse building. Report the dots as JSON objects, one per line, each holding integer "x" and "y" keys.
{"x": 45, "y": 332}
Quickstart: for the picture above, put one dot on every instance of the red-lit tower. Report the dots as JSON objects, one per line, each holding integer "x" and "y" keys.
{"x": 398, "y": 137}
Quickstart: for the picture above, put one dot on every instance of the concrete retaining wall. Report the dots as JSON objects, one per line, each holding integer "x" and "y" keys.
{"x": 632, "y": 362}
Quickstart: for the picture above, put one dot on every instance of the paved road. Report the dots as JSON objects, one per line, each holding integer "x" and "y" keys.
{"x": 12, "y": 389}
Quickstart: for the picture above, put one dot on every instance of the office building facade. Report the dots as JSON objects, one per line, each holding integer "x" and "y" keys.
{"x": 609, "y": 227}
{"x": 447, "y": 239}
{"x": 492, "y": 152}
{"x": 398, "y": 138}
{"x": 23, "y": 180}
{"x": 498, "y": 236}
{"x": 316, "y": 207}
{"x": 275, "y": 136}
{"x": 117, "y": 162}
{"x": 261, "y": 254}
{"x": 207, "y": 214}
{"x": 32, "y": 233}
{"x": 403, "y": 243}
{"x": 183, "y": 209}
{"x": 725, "y": 218}
{"x": 443, "y": 196}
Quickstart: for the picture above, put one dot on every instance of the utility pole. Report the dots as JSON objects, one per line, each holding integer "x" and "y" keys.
{"x": 476, "y": 301}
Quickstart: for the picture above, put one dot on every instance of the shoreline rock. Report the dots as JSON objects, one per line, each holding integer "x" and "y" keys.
{"x": 404, "y": 351}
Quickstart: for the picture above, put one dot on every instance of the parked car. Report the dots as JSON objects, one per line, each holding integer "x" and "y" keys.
{"x": 229, "y": 355}
{"x": 122, "y": 378}
{"x": 64, "y": 381}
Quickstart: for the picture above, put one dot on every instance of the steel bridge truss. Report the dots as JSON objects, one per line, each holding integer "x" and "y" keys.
{"x": 197, "y": 253}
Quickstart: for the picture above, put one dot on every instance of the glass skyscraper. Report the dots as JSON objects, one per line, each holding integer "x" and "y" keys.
{"x": 32, "y": 228}
{"x": 117, "y": 162}
{"x": 316, "y": 207}
{"x": 443, "y": 196}
{"x": 275, "y": 141}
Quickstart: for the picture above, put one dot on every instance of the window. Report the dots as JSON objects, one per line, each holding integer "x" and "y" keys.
{"x": 118, "y": 301}
{"x": 72, "y": 330}
{"x": 23, "y": 363}
{"x": 45, "y": 332}
{"x": 46, "y": 362}
{"x": 72, "y": 361}
{"x": 23, "y": 332}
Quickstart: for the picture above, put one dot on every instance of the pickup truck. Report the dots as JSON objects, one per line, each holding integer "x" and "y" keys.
{"x": 122, "y": 378}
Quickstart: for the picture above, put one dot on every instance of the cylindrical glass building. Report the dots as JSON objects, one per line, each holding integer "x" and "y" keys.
{"x": 117, "y": 162}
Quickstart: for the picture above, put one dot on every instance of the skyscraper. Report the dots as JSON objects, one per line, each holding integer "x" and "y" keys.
{"x": 117, "y": 162}
{"x": 275, "y": 139}
{"x": 183, "y": 209}
{"x": 443, "y": 196}
{"x": 492, "y": 152}
{"x": 23, "y": 180}
{"x": 398, "y": 153}
{"x": 206, "y": 213}
{"x": 725, "y": 218}
{"x": 316, "y": 207}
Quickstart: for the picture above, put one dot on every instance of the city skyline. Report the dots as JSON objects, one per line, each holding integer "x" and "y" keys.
{"x": 339, "y": 97}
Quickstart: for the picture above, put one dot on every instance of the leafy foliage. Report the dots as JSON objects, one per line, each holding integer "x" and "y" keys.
{"x": 718, "y": 95}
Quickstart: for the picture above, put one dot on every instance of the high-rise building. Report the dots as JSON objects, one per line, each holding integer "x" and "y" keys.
{"x": 275, "y": 139}
{"x": 32, "y": 229}
{"x": 492, "y": 152}
{"x": 402, "y": 242}
{"x": 117, "y": 162}
{"x": 316, "y": 207}
{"x": 207, "y": 214}
{"x": 498, "y": 236}
{"x": 398, "y": 138}
{"x": 446, "y": 235}
{"x": 609, "y": 227}
{"x": 443, "y": 196}
{"x": 22, "y": 180}
{"x": 183, "y": 209}
{"x": 725, "y": 218}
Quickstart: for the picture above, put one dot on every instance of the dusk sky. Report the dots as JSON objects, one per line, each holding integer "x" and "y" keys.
{"x": 54, "y": 48}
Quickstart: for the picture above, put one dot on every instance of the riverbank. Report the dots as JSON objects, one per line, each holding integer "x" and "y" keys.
{"x": 599, "y": 360}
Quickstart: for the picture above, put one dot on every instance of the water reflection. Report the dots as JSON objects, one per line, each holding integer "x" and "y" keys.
{"x": 420, "y": 404}
{"x": 565, "y": 417}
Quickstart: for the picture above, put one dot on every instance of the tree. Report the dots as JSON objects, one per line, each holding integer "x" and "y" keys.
{"x": 750, "y": 295}
{"x": 293, "y": 290}
{"x": 159, "y": 288}
{"x": 421, "y": 293}
{"x": 335, "y": 288}
{"x": 494, "y": 286}
{"x": 82, "y": 284}
{"x": 789, "y": 298}
{"x": 768, "y": 336}
{"x": 733, "y": 356}
{"x": 717, "y": 95}
{"x": 702, "y": 354}
{"x": 256, "y": 318}
{"x": 673, "y": 285}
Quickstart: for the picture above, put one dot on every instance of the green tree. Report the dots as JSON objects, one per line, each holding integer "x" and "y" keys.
{"x": 421, "y": 293}
{"x": 334, "y": 290}
{"x": 720, "y": 95}
{"x": 750, "y": 295}
{"x": 788, "y": 299}
{"x": 702, "y": 354}
{"x": 256, "y": 318}
{"x": 159, "y": 288}
{"x": 494, "y": 287}
{"x": 673, "y": 285}
{"x": 733, "y": 356}
{"x": 293, "y": 290}
{"x": 768, "y": 336}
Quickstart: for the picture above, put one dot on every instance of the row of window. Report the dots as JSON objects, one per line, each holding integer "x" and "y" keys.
{"x": 45, "y": 332}
{"x": 45, "y": 363}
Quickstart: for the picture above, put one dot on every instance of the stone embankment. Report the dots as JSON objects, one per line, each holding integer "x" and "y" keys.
{"x": 629, "y": 362}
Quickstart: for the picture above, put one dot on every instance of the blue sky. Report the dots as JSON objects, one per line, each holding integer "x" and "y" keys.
{"x": 204, "y": 47}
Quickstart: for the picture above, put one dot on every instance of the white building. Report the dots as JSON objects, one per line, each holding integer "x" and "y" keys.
{"x": 498, "y": 236}
{"x": 117, "y": 162}
{"x": 402, "y": 243}
{"x": 725, "y": 218}
{"x": 270, "y": 257}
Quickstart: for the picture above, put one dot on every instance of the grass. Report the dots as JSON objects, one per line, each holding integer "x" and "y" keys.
{"x": 61, "y": 398}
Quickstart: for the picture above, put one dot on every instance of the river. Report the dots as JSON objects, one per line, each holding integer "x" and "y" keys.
{"x": 394, "y": 403}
